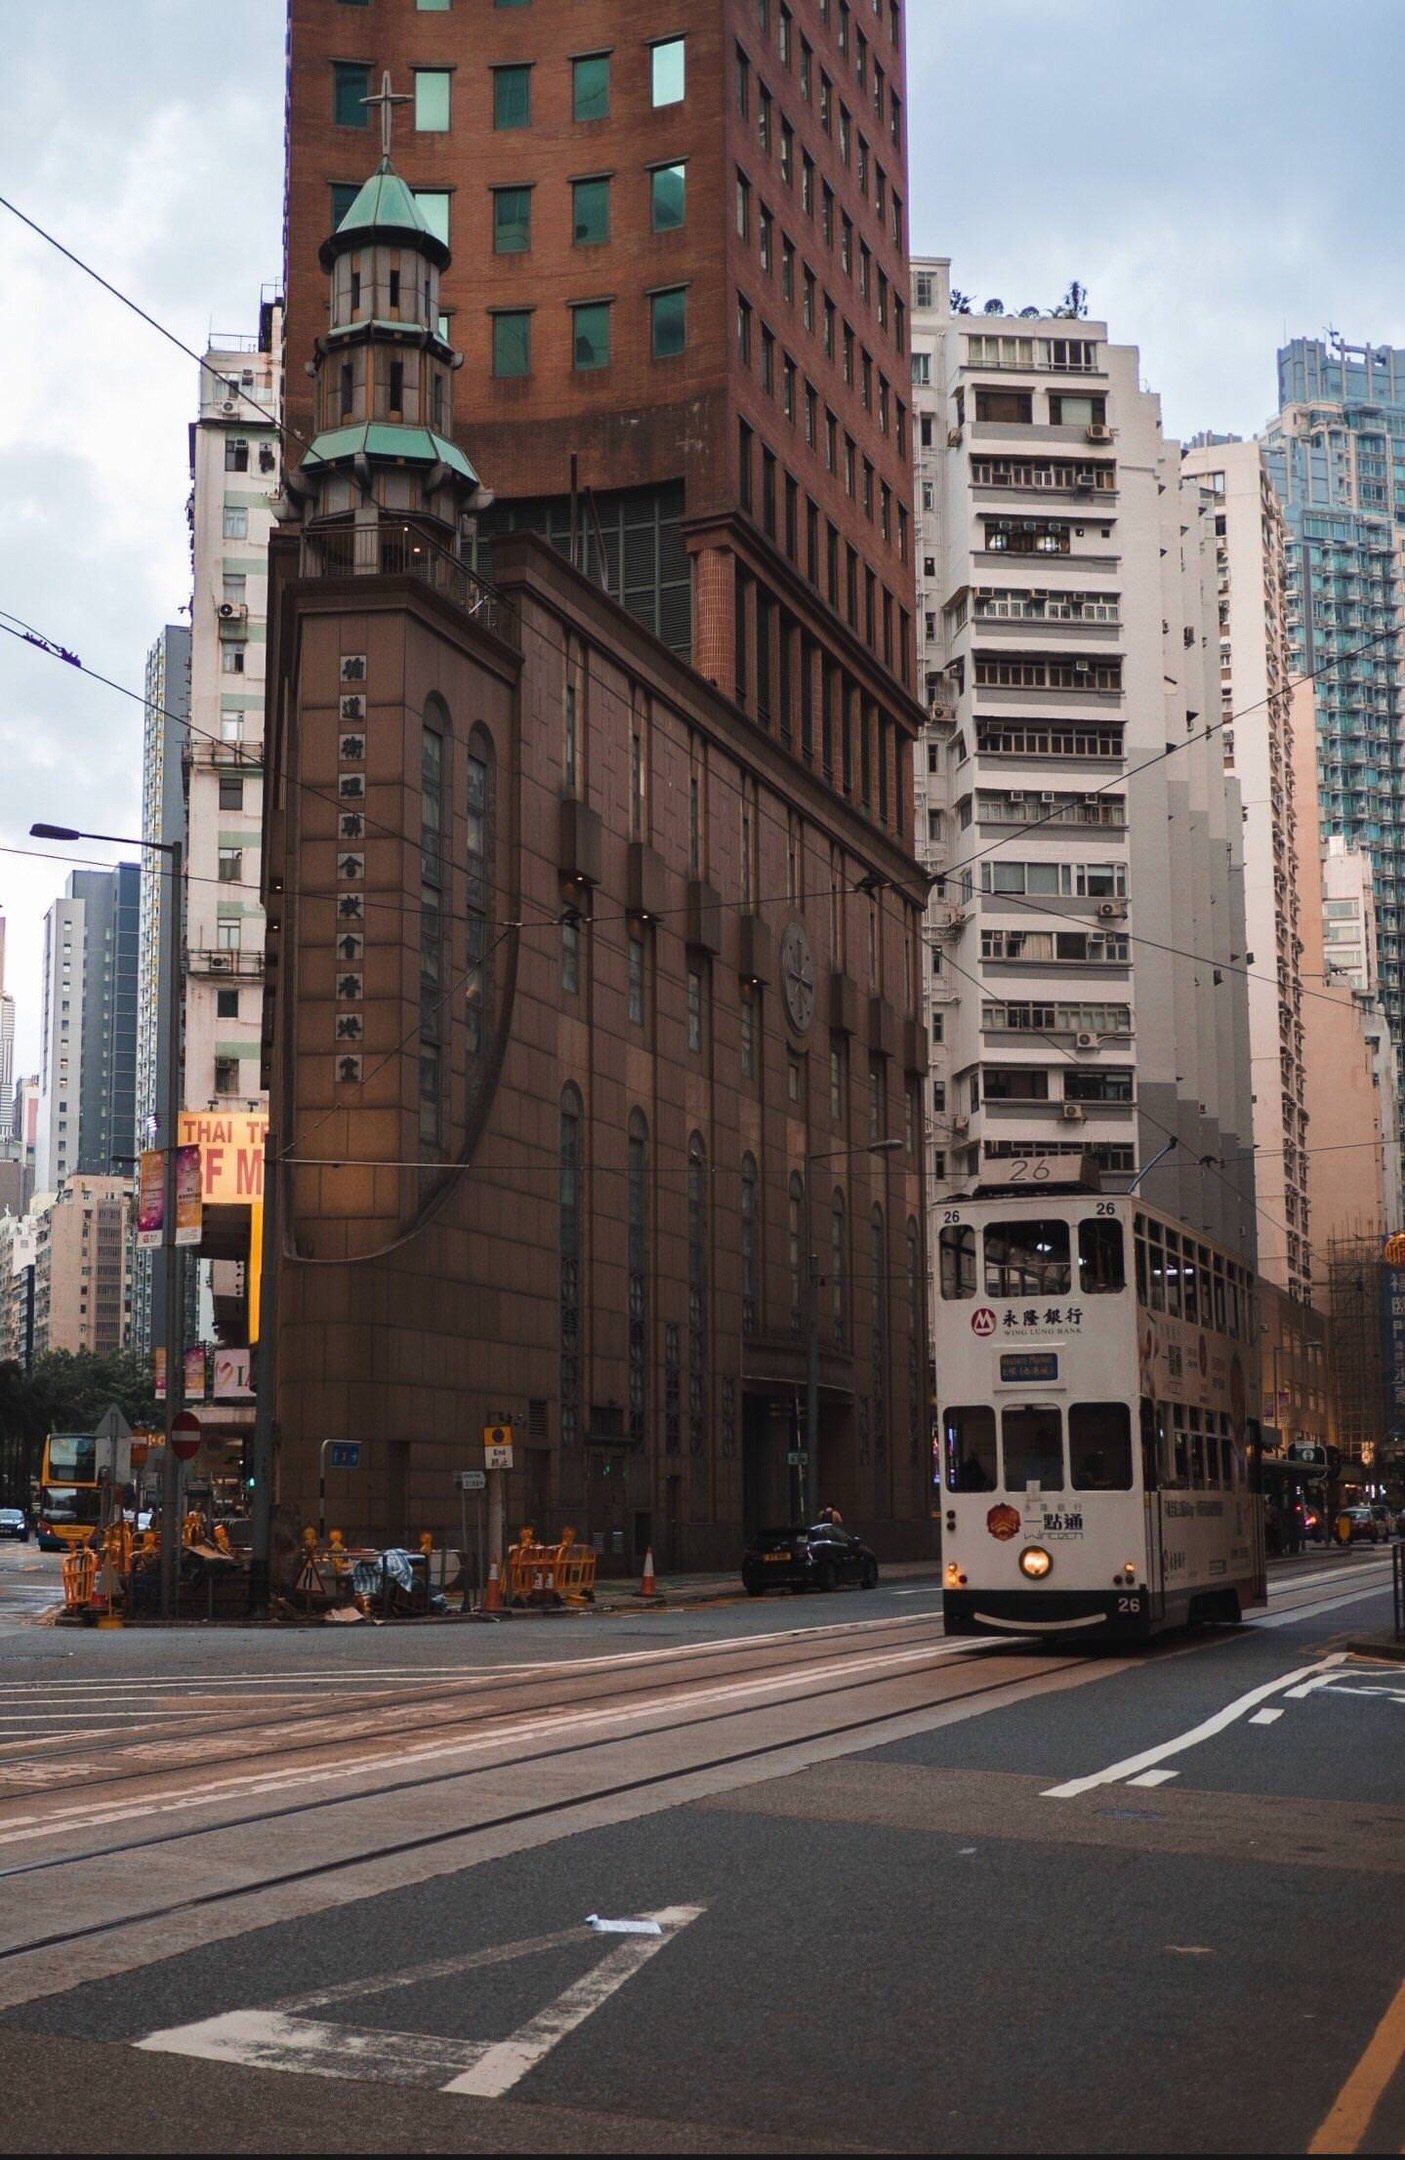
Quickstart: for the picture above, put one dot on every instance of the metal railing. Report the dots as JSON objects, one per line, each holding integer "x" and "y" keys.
{"x": 404, "y": 550}
{"x": 224, "y": 961}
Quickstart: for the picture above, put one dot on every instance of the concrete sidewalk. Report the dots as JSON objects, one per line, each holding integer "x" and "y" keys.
{"x": 688, "y": 1590}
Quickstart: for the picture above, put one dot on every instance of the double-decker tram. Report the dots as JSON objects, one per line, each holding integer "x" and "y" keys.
{"x": 1099, "y": 1471}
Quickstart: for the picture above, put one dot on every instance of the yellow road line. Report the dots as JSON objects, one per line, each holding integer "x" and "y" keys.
{"x": 1356, "y": 2103}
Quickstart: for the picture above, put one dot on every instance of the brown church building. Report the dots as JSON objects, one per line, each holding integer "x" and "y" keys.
{"x": 593, "y": 924}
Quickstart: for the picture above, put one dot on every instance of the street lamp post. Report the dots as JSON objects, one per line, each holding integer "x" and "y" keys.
{"x": 810, "y": 1472}
{"x": 175, "y": 1304}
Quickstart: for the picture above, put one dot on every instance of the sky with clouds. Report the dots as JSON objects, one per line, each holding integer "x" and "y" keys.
{"x": 1214, "y": 172}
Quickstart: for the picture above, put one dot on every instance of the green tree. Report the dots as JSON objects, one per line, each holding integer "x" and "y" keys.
{"x": 72, "y": 1388}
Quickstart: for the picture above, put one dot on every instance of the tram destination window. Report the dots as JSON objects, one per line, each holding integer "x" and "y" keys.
{"x": 969, "y": 1435}
{"x": 957, "y": 1250}
{"x": 1101, "y": 1264}
{"x": 1032, "y": 1434}
{"x": 1100, "y": 1446}
{"x": 1027, "y": 1259}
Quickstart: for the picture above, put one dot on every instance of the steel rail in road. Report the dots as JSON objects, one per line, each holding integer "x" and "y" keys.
{"x": 511, "y": 1818}
{"x": 336, "y": 1721}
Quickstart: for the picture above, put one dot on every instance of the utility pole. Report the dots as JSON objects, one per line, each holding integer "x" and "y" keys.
{"x": 261, "y": 1555}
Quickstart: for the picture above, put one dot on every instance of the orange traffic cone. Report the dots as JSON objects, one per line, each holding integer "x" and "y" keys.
{"x": 492, "y": 1596}
{"x": 648, "y": 1587}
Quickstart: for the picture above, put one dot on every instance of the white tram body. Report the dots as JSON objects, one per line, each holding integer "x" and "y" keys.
{"x": 1097, "y": 1465}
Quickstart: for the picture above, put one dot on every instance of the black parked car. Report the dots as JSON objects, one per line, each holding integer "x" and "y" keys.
{"x": 820, "y": 1558}
{"x": 14, "y": 1523}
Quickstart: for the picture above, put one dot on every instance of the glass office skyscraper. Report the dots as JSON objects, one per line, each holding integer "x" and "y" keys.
{"x": 1336, "y": 454}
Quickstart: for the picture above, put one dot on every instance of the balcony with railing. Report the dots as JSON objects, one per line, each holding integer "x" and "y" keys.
{"x": 385, "y": 550}
{"x": 224, "y": 960}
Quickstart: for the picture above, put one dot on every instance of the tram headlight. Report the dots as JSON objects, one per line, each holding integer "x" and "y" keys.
{"x": 1035, "y": 1563}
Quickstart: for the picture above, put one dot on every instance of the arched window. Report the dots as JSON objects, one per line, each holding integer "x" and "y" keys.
{"x": 433, "y": 1028}
{"x": 914, "y": 1342}
{"x": 637, "y": 1260}
{"x": 697, "y": 1294}
{"x": 749, "y": 1298}
{"x": 795, "y": 1216}
{"x": 878, "y": 1334}
{"x": 838, "y": 1271}
{"x": 572, "y": 1200}
{"x": 480, "y": 791}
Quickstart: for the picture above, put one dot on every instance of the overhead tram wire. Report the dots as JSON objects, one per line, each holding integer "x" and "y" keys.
{"x": 281, "y": 426}
{"x": 285, "y": 428}
{"x": 1170, "y": 750}
{"x": 1214, "y": 1164}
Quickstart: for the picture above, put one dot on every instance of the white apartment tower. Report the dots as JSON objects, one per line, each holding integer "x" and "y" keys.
{"x": 235, "y": 470}
{"x": 1251, "y": 594}
{"x": 1084, "y": 986}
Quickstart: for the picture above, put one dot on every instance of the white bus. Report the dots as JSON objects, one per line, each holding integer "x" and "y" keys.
{"x": 1098, "y": 1470}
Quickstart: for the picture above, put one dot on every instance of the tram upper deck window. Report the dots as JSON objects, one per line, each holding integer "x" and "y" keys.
{"x": 1190, "y": 1283}
{"x": 1102, "y": 1265}
{"x": 1156, "y": 1267}
{"x": 1173, "y": 1275}
{"x": 1032, "y": 1435}
{"x": 957, "y": 1251}
{"x": 1100, "y": 1446}
{"x": 1027, "y": 1259}
{"x": 968, "y": 1432}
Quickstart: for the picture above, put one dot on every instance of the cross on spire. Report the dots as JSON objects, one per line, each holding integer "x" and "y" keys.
{"x": 387, "y": 100}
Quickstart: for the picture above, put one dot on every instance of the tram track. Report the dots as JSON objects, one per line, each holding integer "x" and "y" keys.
{"x": 399, "y": 1848}
{"x": 334, "y": 1725}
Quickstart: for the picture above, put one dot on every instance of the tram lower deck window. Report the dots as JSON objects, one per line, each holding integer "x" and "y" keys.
{"x": 1100, "y": 1446}
{"x": 969, "y": 1435}
{"x": 1032, "y": 1437}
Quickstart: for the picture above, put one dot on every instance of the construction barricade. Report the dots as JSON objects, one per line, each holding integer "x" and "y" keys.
{"x": 79, "y": 1570}
{"x": 574, "y": 1572}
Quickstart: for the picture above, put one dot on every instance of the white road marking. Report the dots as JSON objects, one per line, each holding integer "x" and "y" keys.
{"x": 1117, "y": 1772}
{"x": 1265, "y": 1717}
{"x": 931, "y": 1590}
{"x": 278, "y": 2040}
{"x": 1154, "y": 1777}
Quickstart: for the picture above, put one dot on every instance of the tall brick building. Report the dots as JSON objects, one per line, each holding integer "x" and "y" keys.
{"x": 626, "y": 1003}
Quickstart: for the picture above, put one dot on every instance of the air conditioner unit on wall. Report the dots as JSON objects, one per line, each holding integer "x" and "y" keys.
{"x": 1085, "y": 1039}
{"x": 221, "y": 963}
{"x": 1073, "y": 1113}
{"x": 1113, "y": 910}
{"x": 1098, "y": 433}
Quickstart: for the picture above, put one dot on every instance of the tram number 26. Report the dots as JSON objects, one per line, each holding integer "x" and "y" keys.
{"x": 1129, "y": 1604}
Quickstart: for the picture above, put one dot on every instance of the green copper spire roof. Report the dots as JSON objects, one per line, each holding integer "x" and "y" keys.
{"x": 384, "y": 209}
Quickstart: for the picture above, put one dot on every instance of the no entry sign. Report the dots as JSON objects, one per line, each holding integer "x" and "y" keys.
{"x": 185, "y": 1435}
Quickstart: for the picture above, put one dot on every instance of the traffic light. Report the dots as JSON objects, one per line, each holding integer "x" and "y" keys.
{"x": 246, "y": 1463}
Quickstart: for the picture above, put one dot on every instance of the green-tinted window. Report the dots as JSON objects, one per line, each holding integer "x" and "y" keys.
{"x": 590, "y": 87}
{"x": 512, "y": 343}
{"x": 590, "y": 335}
{"x": 668, "y": 193}
{"x": 434, "y": 209}
{"x": 590, "y": 212}
{"x": 512, "y": 220}
{"x": 432, "y": 101}
{"x": 432, "y": 7}
{"x": 668, "y": 72}
{"x": 344, "y": 194}
{"x": 351, "y": 85}
{"x": 668, "y": 322}
{"x": 511, "y": 3}
{"x": 512, "y": 97}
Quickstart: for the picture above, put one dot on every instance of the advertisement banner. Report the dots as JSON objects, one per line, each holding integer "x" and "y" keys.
{"x": 233, "y": 1381}
{"x": 231, "y": 1154}
{"x": 188, "y": 1196}
{"x": 158, "y": 1368}
{"x": 151, "y": 1196}
{"x": 195, "y": 1373}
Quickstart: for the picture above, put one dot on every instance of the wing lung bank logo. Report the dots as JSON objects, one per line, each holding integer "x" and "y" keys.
{"x": 1003, "y": 1521}
{"x": 982, "y": 1321}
